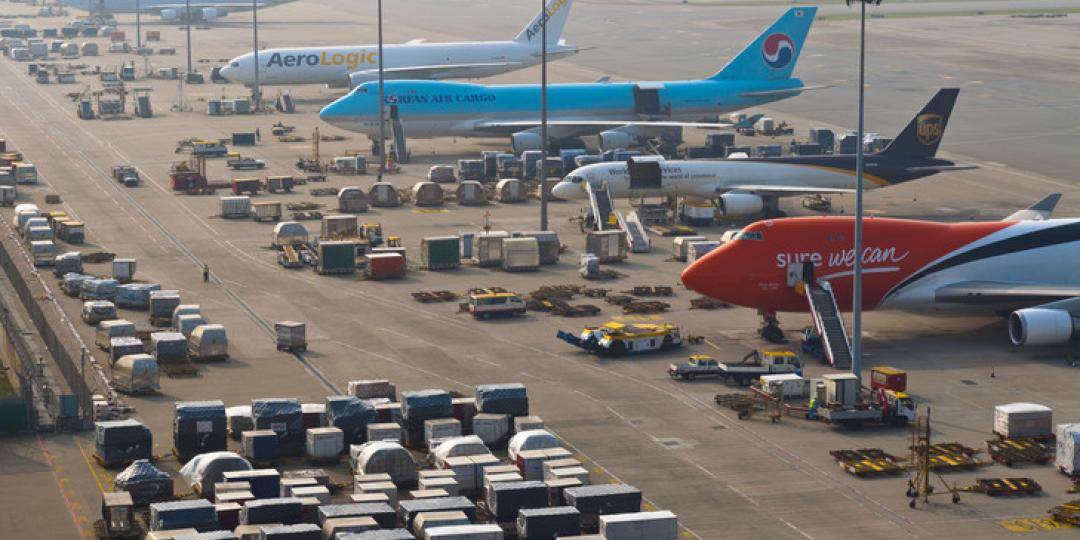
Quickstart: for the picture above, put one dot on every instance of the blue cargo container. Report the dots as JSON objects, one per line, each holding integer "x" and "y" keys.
{"x": 285, "y": 510}
{"x": 569, "y": 157}
{"x": 302, "y": 531}
{"x": 198, "y": 427}
{"x": 382, "y": 513}
{"x": 260, "y": 445}
{"x": 265, "y": 483}
{"x": 351, "y": 415}
{"x": 198, "y": 514}
{"x": 284, "y": 417}
{"x": 121, "y": 441}
{"x": 135, "y": 295}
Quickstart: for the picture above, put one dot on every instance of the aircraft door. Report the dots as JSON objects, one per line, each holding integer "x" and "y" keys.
{"x": 645, "y": 174}
{"x": 800, "y": 272}
{"x": 647, "y": 101}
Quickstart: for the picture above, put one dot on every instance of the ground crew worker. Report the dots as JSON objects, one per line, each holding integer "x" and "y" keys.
{"x": 258, "y": 136}
{"x": 205, "y": 273}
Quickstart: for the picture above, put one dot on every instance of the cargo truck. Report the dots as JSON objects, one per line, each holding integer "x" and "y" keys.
{"x": 759, "y": 363}
{"x": 839, "y": 400}
{"x": 699, "y": 365}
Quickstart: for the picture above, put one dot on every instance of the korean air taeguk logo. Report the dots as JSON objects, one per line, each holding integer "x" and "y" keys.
{"x": 778, "y": 50}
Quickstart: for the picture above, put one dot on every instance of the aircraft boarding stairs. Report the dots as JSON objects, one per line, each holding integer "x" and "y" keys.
{"x": 828, "y": 321}
{"x": 603, "y": 209}
{"x": 401, "y": 151}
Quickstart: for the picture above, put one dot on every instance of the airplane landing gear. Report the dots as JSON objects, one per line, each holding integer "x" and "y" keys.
{"x": 770, "y": 329}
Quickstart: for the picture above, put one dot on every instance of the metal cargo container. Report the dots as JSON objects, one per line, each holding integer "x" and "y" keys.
{"x": 89, "y": 49}
{"x": 1023, "y": 420}
{"x": 488, "y": 531}
{"x": 266, "y": 211}
{"x": 509, "y": 190}
{"x": 338, "y": 226}
{"x": 291, "y": 336}
{"x": 96, "y": 311}
{"x": 275, "y": 184}
{"x": 843, "y": 388}
{"x": 285, "y": 510}
{"x": 208, "y": 342}
{"x": 385, "y": 266}
{"x": 382, "y": 513}
{"x": 33, "y": 222}
{"x": 602, "y": 499}
{"x": 107, "y": 330}
{"x": 376, "y": 457}
{"x": 36, "y": 234}
{"x": 471, "y": 193}
{"x": 547, "y": 523}
{"x": 198, "y": 514}
{"x": 785, "y": 385}
{"x": 506, "y": 499}
{"x": 43, "y": 252}
{"x": 186, "y": 324}
{"x": 72, "y": 283}
{"x": 162, "y": 304}
{"x": 698, "y": 249}
{"x": 681, "y": 245}
{"x": 7, "y": 195}
{"x": 72, "y": 232}
{"x": 520, "y": 254}
{"x": 430, "y": 520}
{"x": 608, "y": 246}
{"x": 181, "y": 310}
{"x": 1067, "y": 457}
{"x": 324, "y": 443}
{"x": 440, "y": 428}
{"x": 25, "y": 173}
{"x": 548, "y": 243}
{"x": 487, "y": 248}
{"x": 427, "y": 194}
{"x": 662, "y": 525}
{"x": 236, "y": 206}
{"x": 136, "y": 373}
{"x": 384, "y": 194}
{"x": 409, "y": 509}
{"x": 352, "y": 200}
{"x": 510, "y": 399}
{"x": 168, "y": 346}
{"x": 337, "y": 257}
{"x": 289, "y": 233}
{"x": 123, "y": 346}
{"x": 440, "y": 252}
{"x": 98, "y": 289}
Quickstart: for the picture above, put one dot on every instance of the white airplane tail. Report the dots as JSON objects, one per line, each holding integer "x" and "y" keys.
{"x": 554, "y": 17}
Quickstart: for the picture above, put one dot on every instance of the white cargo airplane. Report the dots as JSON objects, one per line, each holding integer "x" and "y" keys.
{"x": 340, "y": 67}
{"x": 174, "y": 10}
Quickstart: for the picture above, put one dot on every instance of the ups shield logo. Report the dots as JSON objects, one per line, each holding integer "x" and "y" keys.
{"x": 928, "y": 128}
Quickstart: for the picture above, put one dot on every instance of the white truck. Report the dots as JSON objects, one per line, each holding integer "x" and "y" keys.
{"x": 759, "y": 363}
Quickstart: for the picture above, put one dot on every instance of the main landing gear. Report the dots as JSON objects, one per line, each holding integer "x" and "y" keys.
{"x": 770, "y": 329}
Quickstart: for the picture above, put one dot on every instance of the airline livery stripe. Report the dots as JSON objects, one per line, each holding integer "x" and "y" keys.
{"x": 1062, "y": 234}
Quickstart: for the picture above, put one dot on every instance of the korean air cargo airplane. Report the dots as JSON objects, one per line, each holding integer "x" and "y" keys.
{"x": 621, "y": 113}
{"x": 352, "y": 65}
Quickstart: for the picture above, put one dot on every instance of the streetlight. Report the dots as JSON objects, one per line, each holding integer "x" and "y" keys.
{"x": 382, "y": 114}
{"x": 187, "y": 17}
{"x": 543, "y": 118}
{"x": 856, "y": 310}
{"x": 138, "y": 26}
{"x": 255, "y": 38}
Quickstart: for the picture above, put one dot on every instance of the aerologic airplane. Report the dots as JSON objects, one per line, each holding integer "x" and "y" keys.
{"x": 621, "y": 113}
{"x": 174, "y": 10}
{"x": 749, "y": 186}
{"x": 346, "y": 67}
{"x": 1023, "y": 266}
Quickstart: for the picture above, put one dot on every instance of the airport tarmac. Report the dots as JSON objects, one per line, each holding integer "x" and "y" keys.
{"x": 725, "y": 478}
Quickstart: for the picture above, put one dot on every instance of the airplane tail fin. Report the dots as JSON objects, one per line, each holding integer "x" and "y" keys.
{"x": 554, "y": 16}
{"x": 774, "y": 53}
{"x": 921, "y": 137}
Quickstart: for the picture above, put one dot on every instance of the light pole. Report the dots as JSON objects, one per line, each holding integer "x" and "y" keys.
{"x": 138, "y": 26}
{"x": 187, "y": 17}
{"x": 543, "y": 118}
{"x": 382, "y": 113}
{"x": 856, "y": 302}
{"x": 255, "y": 59}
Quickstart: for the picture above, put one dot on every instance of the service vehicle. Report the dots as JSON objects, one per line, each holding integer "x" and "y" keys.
{"x": 494, "y": 302}
{"x": 125, "y": 174}
{"x": 758, "y": 363}
{"x": 209, "y": 148}
{"x": 841, "y": 401}
{"x": 245, "y": 163}
{"x": 699, "y": 365}
{"x": 617, "y": 339}
{"x": 95, "y": 311}
{"x": 373, "y": 233}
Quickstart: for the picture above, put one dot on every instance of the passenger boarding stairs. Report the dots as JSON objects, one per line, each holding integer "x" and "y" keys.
{"x": 829, "y": 324}
{"x": 603, "y": 210}
{"x": 397, "y": 130}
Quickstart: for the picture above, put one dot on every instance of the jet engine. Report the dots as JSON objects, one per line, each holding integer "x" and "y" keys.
{"x": 169, "y": 15}
{"x": 611, "y": 140}
{"x": 355, "y": 79}
{"x": 525, "y": 140}
{"x": 1042, "y": 326}
{"x": 741, "y": 204}
{"x": 209, "y": 13}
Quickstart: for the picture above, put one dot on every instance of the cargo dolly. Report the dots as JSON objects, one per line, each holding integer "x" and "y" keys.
{"x": 867, "y": 462}
{"x": 179, "y": 368}
{"x": 645, "y": 307}
{"x": 1020, "y": 450}
{"x": 659, "y": 290}
{"x": 1067, "y": 513}
{"x": 995, "y": 487}
{"x": 618, "y": 299}
{"x": 953, "y": 457}
{"x": 428, "y": 297}
{"x": 707, "y": 303}
{"x": 303, "y": 206}
{"x": 306, "y": 216}
{"x": 563, "y": 308}
{"x": 743, "y": 404}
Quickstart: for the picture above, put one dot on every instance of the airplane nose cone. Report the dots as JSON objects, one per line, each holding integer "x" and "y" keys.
{"x": 566, "y": 190}
{"x": 694, "y": 277}
{"x": 227, "y": 72}
{"x": 713, "y": 276}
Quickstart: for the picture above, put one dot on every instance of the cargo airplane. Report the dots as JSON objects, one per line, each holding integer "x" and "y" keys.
{"x": 744, "y": 187}
{"x": 174, "y": 10}
{"x": 621, "y": 113}
{"x": 346, "y": 67}
{"x": 1023, "y": 266}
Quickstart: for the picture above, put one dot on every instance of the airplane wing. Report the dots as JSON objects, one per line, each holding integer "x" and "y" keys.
{"x": 786, "y": 191}
{"x": 1039, "y": 211}
{"x": 1005, "y": 292}
{"x": 428, "y": 72}
{"x": 786, "y": 91}
{"x": 941, "y": 168}
{"x": 229, "y": 7}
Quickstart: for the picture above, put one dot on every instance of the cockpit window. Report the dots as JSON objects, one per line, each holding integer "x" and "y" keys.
{"x": 235, "y": 64}
{"x": 359, "y": 90}
{"x": 576, "y": 179}
{"x": 749, "y": 235}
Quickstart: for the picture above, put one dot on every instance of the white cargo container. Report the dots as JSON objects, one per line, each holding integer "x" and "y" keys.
{"x": 25, "y": 173}
{"x": 266, "y": 211}
{"x": 534, "y": 439}
{"x": 384, "y": 432}
{"x": 1023, "y": 420}
{"x": 526, "y": 423}
{"x": 186, "y": 324}
{"x": 530, "y": 464}
{"x": 123, "y": 270}
{"x": 184, "y": 309}
{"x": 487, "y": 531}
{"x": 581, "y": 474}
{"x": 208, "y": 342}
{"x": 107, "y": 330}
{"x": 608, "y": 246}
{"x": 841, "y": 388}
{"x": 136, "y": 374}
{"x": 468, "y": 445}
{"x": 1068, "y": 448}
{"x": 491, "y": 428}
{"x": 441, "y": 428}
{"x": 662, "y": 525}
{"x": 698, "y": 249}
{"x": 429, "y": 520}
{"x": 449, "y": 485}
{"x": 236, "y": 206}
{"x": 520, "y": 254}
{"x": 32, "y": 222}
{"x": 464, "y": 472}
{"x": 785, "y": 385}
{"x": 319, "y": 493}
{"x": 43, "y": 252}
{"x": 383, "y": 457}
{"x": 338, "y": 226}
{"x": 487, "y": 248}
{"x": 288, "y": 233}
{"x": 325, "y": 443}
{"x": 681, "y": 245}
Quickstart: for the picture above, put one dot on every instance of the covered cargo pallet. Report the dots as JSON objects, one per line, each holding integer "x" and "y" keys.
{"x": 144, "y": 482}
{"x": 135, "y": 295}
{"x": 324, "y": 444}
{"x": 284, "y": 417}
{"x": 205, "y": 470}
{"x": 198, "y": 514}
{"x": 120, "y": 442}
{"x": 352, "y": 416}
{"x": 510, "y": 398}
{"x": 198, "y": 427}
{"x": 1067, "y": 458}
{"x": 1014, "y": 420}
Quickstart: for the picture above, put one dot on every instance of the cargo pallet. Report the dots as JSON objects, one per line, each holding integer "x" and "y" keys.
{"x": 645, "y": 307}
{"x": 174, "y": 368}
{"x": 867, "y": 462}
{"x": 160, "y": 321}
{"x": 428, "y": 297}
{"x": 1005, "y": 486}
{"x": 707, "y": 303}
{"x": 558, "y": 306}
{"x": 743, "y": 404}
{"x": 1067, "y": 513}
{"x": 1020, "y": 450}
{"x": 954, "y": 457}
{"x": 659, "y": 290}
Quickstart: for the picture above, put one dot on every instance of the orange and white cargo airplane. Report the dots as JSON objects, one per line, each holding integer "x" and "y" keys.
{"x": 1026, "y": 266}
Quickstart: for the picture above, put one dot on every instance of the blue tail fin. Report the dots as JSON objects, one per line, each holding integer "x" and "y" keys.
{"x": 773, "y": 54}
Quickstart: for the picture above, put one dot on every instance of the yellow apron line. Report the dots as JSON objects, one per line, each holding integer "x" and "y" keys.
{"x": 90, "y": 467}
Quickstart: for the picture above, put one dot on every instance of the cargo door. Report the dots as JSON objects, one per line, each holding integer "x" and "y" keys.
{"x": 644, "y": 174}
{"x": 647, "y": 100}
